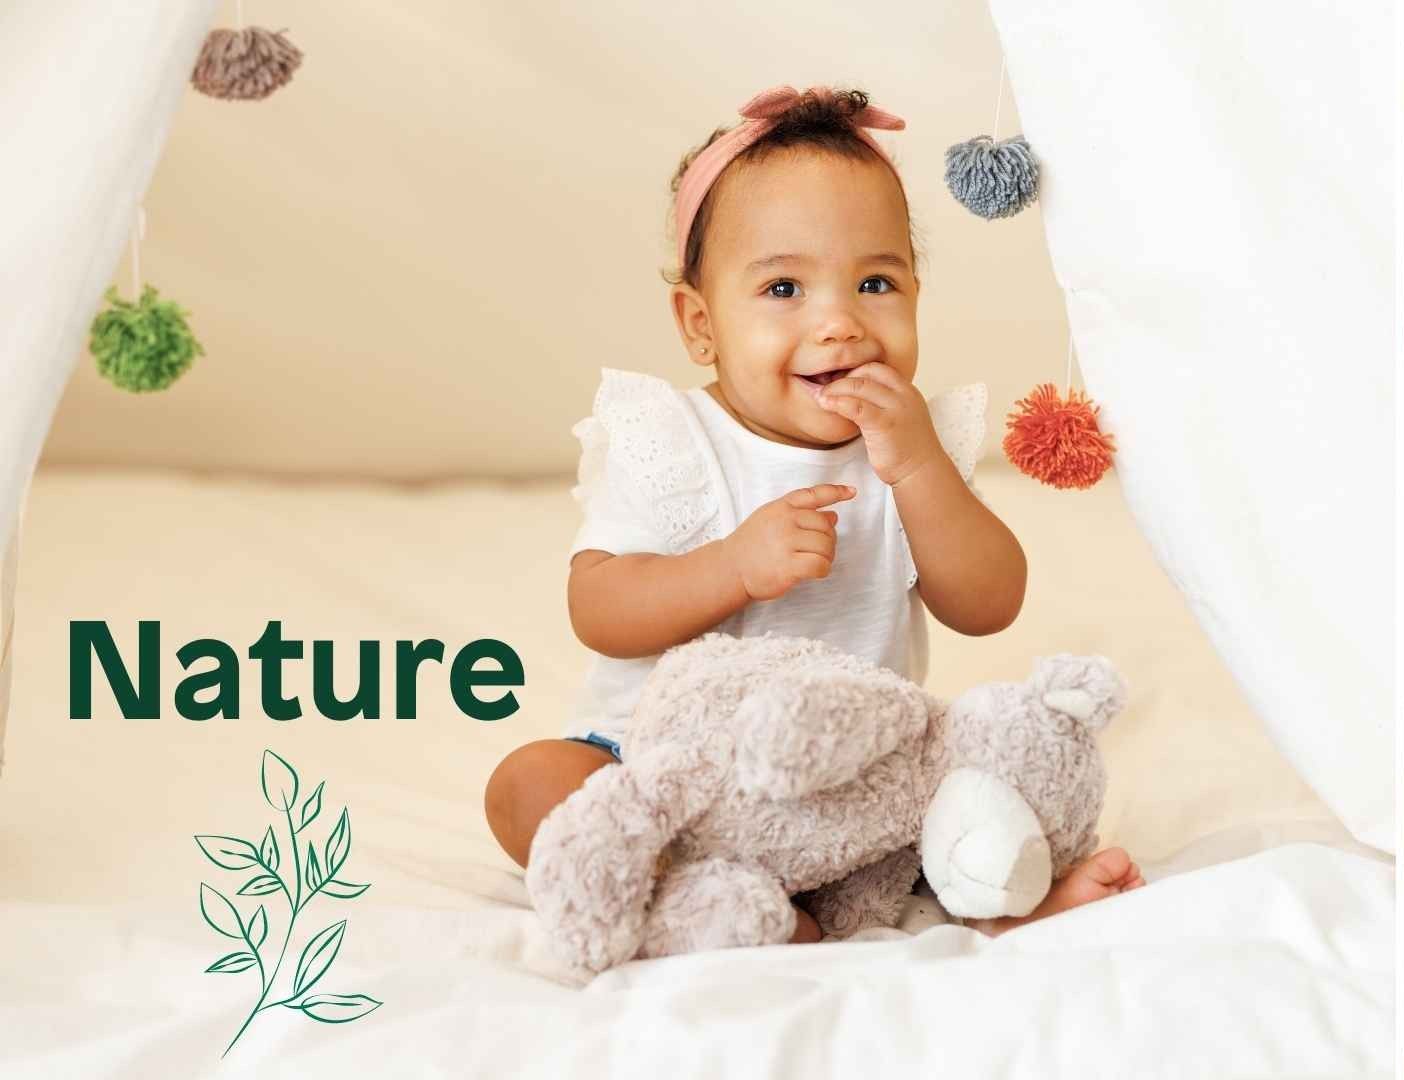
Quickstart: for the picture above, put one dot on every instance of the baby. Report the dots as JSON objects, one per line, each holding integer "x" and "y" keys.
{"x": 709, "y": 509}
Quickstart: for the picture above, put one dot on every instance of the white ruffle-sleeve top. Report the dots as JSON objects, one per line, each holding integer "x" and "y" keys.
{"x": 665, "y": 470}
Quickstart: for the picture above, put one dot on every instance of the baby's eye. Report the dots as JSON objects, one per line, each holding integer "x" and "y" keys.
{"x": 787, "y": 284}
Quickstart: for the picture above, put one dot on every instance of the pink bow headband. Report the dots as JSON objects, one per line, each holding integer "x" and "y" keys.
{"x": 761, "y": 113}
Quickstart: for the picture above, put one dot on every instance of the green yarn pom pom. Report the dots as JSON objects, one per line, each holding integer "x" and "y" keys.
{"x": 143, "y": 346}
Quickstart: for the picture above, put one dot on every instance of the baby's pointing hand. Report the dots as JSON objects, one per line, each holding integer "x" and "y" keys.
{"x": 787, "y": 541}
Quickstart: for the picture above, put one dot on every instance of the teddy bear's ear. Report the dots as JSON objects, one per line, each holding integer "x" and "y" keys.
{"x": 1078, "y": 704}
{"x": 1087, "y": 688}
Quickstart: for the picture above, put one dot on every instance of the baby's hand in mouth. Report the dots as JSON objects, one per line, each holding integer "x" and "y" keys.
{"x": 891, "y": 414}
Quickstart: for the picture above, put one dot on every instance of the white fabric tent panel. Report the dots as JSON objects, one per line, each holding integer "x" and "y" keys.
{"x": 1216, "y": 189}
{"x": 88, "y": 90}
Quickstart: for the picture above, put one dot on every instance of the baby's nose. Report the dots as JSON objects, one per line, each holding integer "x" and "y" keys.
{"x": 838, "y": 327}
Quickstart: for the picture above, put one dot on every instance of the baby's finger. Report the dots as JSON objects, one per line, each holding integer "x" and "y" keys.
{"x": 869, "y": 391}
{"x": 816, "y": 543}
{"x": 811, "y": 498}
{"x": 818, "y": 520}
{"x": 879, "y": 372}
{"x": 806, "y": 564}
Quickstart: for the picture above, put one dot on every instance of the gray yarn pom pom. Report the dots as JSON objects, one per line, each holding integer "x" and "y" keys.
{"x": 245, "y": 65}
{"x": 992, "y": 181}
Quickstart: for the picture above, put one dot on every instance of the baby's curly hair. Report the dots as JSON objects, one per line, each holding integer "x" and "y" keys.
{"x": 820, "y": 123}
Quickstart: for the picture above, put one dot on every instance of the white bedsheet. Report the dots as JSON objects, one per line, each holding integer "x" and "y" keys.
{"x": 1275, "y": 964}
{"x": 1262, "y": 946}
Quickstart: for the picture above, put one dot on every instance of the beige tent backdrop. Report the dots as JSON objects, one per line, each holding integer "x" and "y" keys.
{"x": 412, "y": 263}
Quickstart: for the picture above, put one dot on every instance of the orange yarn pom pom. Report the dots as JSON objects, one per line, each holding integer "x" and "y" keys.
{"x": 1056, "y": 441}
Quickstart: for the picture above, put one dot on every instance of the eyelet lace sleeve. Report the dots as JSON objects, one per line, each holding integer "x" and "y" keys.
{"x": 959, "y": 418}
{"x": 638, "y": 435}
{"x": 589, "y": 474}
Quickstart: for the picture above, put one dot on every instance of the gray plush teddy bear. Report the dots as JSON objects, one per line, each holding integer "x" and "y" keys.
{"x": 764, "y": 767}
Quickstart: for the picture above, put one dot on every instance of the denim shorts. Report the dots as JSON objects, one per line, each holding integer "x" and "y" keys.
{"x": 594, "y": 738}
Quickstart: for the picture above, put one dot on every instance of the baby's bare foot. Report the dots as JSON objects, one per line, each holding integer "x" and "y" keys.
{"x": 1104, "y": 874}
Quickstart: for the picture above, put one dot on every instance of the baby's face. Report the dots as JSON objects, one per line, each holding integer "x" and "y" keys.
{"x": 806, "y": 269}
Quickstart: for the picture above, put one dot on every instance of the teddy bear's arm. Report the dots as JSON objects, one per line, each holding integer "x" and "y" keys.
{"x": 590, "y": 870}
{"x": 802, "y": 734}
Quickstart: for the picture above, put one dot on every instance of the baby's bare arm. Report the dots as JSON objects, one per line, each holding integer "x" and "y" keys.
{"x": 971, "y": 570}
{"x": 628, "y": 606}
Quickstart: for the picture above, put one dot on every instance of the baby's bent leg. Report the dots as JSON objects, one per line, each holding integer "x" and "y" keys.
{"x": 529, "y": 782}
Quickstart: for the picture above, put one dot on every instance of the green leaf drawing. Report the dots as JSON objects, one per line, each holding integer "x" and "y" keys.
{"x": 258, "y": 927}
{"x": 337, "y": 1008}
{"x": 280, "y": 790}
{"x": 234, "y": 962}
{"x": 339, "y": 843}
{"x": 343, "y": 890}
{"x": 268, "y": 850}
{"x": 317, "y": 957}
{"x": 261, "y": 885}
{"x": 312, "y": 871}
{"x": 228, "y": 852}
{"x": 311, "y": 808}
{"x": 280, "y": 780}
{"x": 219, "y": 912}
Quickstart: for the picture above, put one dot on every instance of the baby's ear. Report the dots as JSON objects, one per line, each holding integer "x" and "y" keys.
{"x": 694, "y": 323}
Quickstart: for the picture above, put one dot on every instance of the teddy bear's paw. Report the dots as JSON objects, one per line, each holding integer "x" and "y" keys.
{"x": 982, "y": 848}
{"x": 872, "y": 895}
{"x": 716, "y": 904}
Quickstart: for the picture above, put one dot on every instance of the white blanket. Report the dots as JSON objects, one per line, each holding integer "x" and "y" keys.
{"x": 1278, "y": 963}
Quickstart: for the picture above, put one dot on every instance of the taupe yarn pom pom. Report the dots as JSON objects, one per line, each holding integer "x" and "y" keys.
{"x": 992, "y": 181}
{"x": 245, "y": 65}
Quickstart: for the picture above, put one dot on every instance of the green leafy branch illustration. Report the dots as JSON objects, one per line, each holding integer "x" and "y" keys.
{"x": 280, "y": 790}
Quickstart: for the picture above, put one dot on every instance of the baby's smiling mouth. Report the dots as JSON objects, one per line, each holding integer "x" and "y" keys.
{"x": 822, "y": 377}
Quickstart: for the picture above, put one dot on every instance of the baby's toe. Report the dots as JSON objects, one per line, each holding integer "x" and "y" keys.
{"x": 1132, "y": 879}
{"x": 1109, "y": 867}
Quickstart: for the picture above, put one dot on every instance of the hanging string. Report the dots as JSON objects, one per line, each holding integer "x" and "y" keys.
{"x": 1067, "y": 390}
{"x": 999, "y": 99}
{"x": 138, "y": 235}
{"x": 143, "y": 343}
{"x": 238, "y": 14}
